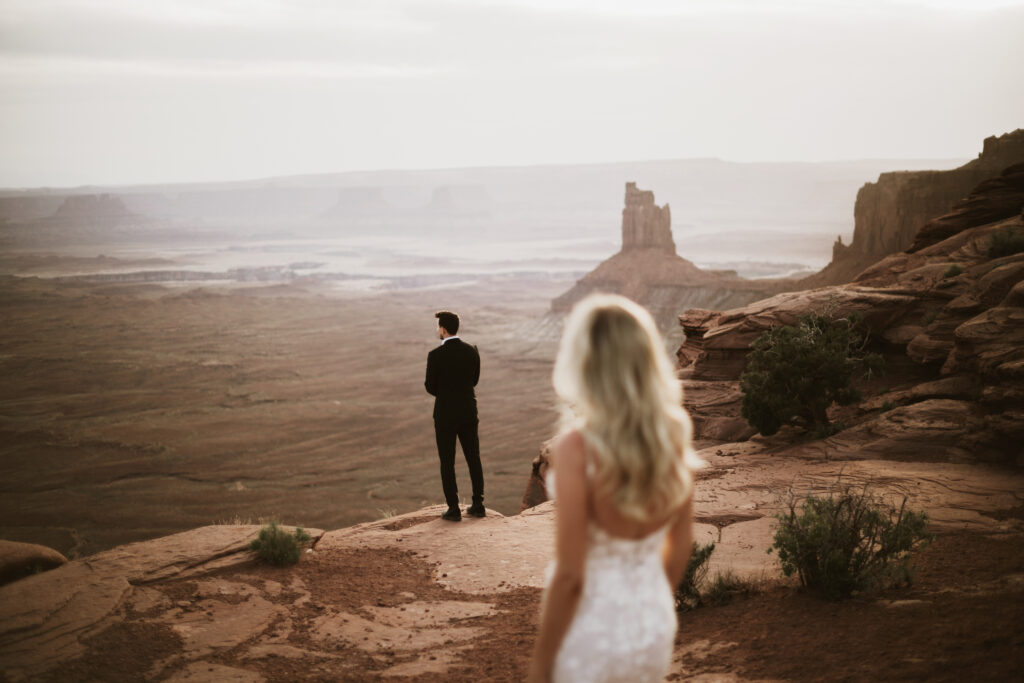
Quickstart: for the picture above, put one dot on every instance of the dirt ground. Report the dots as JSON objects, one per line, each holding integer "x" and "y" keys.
{"x": 129, "y": 412}
{"x": 960, "y": 620}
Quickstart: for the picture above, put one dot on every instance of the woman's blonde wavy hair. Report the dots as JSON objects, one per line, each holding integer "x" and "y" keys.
{"x": 618, "y": 388}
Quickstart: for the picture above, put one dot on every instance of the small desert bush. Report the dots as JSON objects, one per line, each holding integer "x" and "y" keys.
{"x": 953, "y": 271}
{"x": 726, "y": 586}
{"x": 277, "y": 546}
{"x": 849, "y": 540}
{"x": 1004, "y": 242}
{"x": 688, "y": 595}
{"x": 795, "y": 372}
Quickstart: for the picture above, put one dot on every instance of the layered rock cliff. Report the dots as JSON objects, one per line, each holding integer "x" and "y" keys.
{"x": 649, "y": 271}
{"x": 889, "y": 211}
{"x": 947, "y": 314}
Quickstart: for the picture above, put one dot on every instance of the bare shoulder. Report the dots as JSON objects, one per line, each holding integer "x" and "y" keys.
{"x": 568, "y": 451}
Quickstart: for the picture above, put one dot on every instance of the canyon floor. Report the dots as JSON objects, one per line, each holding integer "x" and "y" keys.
{"x": 133, "y": 411}
{"x": 130, "y": 411}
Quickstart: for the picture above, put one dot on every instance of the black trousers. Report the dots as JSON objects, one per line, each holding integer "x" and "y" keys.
{"x": 446, "y": 431}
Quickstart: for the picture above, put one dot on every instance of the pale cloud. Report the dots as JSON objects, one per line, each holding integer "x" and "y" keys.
{"x": 52, "y": 69}
{"x": 174, "y": 90}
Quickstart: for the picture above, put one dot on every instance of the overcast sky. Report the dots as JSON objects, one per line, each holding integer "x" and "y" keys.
{"x": 143, "y": 91}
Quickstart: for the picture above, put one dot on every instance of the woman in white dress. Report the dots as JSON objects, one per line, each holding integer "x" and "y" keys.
{"x": 623, "y": 485}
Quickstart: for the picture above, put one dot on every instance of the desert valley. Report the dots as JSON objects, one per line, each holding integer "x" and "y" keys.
{"x": 184, "y": 363}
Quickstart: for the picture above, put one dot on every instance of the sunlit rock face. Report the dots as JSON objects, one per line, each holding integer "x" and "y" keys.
{"x": 947, "y": 315}
{"x": 889, "y": 212}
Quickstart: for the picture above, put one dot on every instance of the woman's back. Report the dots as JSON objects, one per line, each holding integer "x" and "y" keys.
{"x": 623, "y": 489}
{"x": 625, "y": 622}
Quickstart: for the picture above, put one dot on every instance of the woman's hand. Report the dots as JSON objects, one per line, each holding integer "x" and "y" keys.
{"x": 679, "y": 544}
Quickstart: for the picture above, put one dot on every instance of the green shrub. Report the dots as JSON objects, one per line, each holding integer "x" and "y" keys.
{"x": 953, "y": 271}
{"x": 794, "y": 373}
{"x": 848, "y": 541}
{"x": 688, "y": 594}
{"x": 1004, "y": 242}
{"x": 277, "y": 546}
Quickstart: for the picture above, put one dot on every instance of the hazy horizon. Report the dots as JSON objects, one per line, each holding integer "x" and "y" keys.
{"x": 914, "y": 164}
{"x": 118, "y": 92}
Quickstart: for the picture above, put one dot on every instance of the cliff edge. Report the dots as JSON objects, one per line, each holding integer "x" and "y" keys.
{"x": 948, "y": 317}
{"x": 889, "y": 212}
{"x": 414, "y": 596}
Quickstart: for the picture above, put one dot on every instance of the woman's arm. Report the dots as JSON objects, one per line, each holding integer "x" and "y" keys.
{"x": 563, "y": 593}
{"x": 679, "y": 544}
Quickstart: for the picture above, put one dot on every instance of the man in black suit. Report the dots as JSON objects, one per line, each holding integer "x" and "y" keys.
{"x": 453, "y": 369}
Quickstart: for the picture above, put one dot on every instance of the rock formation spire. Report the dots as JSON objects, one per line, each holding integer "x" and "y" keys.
{"x": 645, "y": 225}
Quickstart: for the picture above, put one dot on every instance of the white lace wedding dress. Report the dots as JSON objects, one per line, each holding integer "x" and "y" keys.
{"x": 625, "y": 623}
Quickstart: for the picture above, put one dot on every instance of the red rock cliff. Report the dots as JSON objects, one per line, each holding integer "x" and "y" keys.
{"x": 949, "y": 312}
{"x": 889, "y": 212}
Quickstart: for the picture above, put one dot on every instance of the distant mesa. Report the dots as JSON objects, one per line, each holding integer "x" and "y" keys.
{"x": 889, "y": 212}
{"x": 649, "y": 271}
{"x": 22, "y": 207}
{"x": 92, "y": 207}
{"x": 459, "y": 199}
{"x": 359, "y": 201}
{"x": 443, "y": 200}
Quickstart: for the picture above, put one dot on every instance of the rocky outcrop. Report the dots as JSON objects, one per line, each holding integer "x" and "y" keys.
{"x": 888, "y": 213}
{"x": 49, "y": 617}
{"x": 645, "y": 225}
{"x": 992, "y": 200}
{"x": 18, "y": 560}
{"x": 536, "y": 486}
{"x": 943, "y": 308}
{"x": 412, "y": 595}
{"x": 649, "y": 271}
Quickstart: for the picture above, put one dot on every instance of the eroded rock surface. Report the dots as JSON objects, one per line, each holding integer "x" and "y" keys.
{"x": 888, "y": 213}
{"x": 18, "y": 560}
{"x": 413, "y": 595}
{"x": 47, "y": 618}
{"x": 948, "y": 319}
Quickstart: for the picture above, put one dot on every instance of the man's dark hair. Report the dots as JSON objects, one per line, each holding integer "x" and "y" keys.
{"x": 448, "y": 320}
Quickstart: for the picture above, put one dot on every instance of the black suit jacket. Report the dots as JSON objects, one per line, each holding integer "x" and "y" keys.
{"x": 453, "y": 369}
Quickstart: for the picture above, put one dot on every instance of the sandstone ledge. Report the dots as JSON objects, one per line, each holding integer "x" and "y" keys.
{"x": 413, "y": 595}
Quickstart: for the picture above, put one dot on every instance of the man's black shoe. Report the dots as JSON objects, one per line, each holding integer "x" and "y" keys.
{"x": 452, "y": 515}
{"x": 476, "y": 511}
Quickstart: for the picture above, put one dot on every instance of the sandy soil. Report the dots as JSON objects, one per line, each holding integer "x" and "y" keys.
{"x": 134, "y": 411}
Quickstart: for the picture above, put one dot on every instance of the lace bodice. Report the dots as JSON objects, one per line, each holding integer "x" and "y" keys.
{"x": 625, "y": 622}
